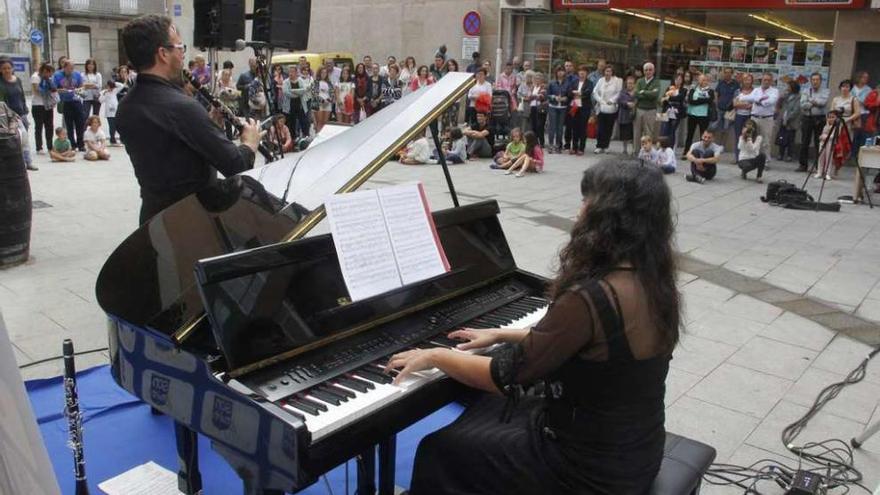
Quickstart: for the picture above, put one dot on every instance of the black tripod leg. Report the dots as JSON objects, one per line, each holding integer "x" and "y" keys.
{"x": 189, "y": 479}
{"x": 441, "y": 157}
{"x": 366, "y": 472}
{"x": 387, "y": 465}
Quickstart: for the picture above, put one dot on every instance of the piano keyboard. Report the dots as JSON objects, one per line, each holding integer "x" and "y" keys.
{"x": 345, "y": 399}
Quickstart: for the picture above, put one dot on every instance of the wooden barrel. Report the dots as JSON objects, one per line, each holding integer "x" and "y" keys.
{"x": 15, "y": 204}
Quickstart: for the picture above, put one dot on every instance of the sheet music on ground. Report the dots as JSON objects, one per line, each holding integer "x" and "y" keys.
{"x": 385, "y": 239}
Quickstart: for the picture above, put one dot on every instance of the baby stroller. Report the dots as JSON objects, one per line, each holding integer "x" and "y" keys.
{"x": 501, "y": 118}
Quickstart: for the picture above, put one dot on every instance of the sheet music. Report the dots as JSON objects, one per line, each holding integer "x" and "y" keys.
{"x": 413, "y": 237}
{"x": 362, "y": 244}
{"x": 146, "y": 479}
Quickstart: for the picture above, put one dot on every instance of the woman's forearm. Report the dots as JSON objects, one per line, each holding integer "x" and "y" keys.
{"x": 511, "y": 335}
{"x": 469, "y": 369}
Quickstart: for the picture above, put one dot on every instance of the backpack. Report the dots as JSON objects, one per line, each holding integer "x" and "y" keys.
{"x": 774, "y": 188}
{"x": 787, "y": 195}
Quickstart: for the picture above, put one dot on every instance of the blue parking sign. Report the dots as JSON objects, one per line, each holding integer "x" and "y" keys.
{"x": 36, "y": 36}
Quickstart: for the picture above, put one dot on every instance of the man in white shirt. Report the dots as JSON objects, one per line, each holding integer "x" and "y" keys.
{"x": 763, "y": 100}
{"x": 332, "y": 71}
{"x": 383, "y": 71}
{"x": 814, "y": 99}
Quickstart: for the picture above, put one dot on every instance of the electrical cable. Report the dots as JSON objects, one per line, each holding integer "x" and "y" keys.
{"x": 54, "y": 358}
{"x": 834, "y": 458}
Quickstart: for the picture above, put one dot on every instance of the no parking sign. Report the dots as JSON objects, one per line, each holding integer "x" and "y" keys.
{"x": 472, "y": 23}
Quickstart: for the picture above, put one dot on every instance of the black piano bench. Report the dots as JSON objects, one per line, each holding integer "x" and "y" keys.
{"x": 684, "y": 463}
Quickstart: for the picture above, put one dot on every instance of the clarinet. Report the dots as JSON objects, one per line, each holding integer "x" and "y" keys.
{"x": 228, "y": 115}
{"x": 74, "y": 419}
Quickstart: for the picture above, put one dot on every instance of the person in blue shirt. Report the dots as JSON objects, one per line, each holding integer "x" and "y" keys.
{"x": 69, "y": 83}
{"x": 558, "y": 98}
{"x": 725, "y": 91}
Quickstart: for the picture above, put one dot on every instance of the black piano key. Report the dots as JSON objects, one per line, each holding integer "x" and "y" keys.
{"x": 348, "y": 394}
{"x": 310, "y": 402}
{"x": 444, "y": 340}
{"x": 355, "y": 383}
{"x": 329, "y": 398}
{"x": 377, "y": 377}
{"x": 302, "y": 406}
{"x": 428, "y": 344}
{"x": 507, "y": 313}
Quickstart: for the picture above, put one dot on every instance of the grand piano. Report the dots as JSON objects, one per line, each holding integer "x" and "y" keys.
{"x": 285, "y": 376}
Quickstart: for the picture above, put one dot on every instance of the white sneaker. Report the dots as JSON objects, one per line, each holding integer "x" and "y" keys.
{"x": 597, "y": 151}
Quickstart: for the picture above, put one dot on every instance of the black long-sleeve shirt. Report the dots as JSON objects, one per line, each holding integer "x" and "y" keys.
{"x": 174, "y": 146}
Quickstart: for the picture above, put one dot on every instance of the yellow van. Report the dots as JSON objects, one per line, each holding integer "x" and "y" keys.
{"x": 315, "y": 59}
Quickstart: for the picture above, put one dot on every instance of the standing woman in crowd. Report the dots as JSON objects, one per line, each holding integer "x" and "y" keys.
{"x": 345, "y": 96}
{"x": 450, "y": 116}
{"x": 523, "y": 109}
{"x": 743, "y": 108}
{"x": 43, "y": 97}
{"x": 688, "y": 78}
{"x": 581, "y": 93}
{"x": 672, "y": 106}
{"x": 307, "y": 83}
{"x": 277, "y": 84}
{"x": 422, "y": 79}
{"x": 361, "y": 80}
{"x": 847, "y": 105}
{"x": 322, "y": 92}
{"x": 408, "y": 72}
{"x": 12, "y": 93}
{"x": 538, "y": 106}
{"x": 790, "y": 108}
{"x": 374, "y": 90}
{"x": 557, "y": 94}
{"x": 392, "y": 89}
{"x": 479, "y": 97}
{"x": 700, "y": 99}
{"x": 606, "y": 93}
{"x": 626, "y": 104}
{"x": 92, "y": 86}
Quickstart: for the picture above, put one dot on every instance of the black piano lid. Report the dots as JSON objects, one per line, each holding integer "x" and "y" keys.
{"x": 148, "y": 280}
{"x": 267, "y": 303}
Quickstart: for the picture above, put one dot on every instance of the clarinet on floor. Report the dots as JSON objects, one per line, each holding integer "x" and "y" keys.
{"x": 227, "y": 114}
{"x": 74, "y": 419}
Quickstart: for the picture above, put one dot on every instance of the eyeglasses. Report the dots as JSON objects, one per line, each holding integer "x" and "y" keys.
{"x": 179, "y": 46}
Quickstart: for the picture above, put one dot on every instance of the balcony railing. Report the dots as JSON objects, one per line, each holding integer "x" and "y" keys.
{"x": 108, "y": 8}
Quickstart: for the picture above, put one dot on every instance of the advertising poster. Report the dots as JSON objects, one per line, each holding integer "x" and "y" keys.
{"x": 784, "y": 53}
{"x": 815, "y": 53}
{"x": 715, "y": 50}
{"x": 761, "y": 52}
{"x": 738, "y": 51}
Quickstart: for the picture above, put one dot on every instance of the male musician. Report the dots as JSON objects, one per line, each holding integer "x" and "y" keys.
{"x": 173, "y": 144}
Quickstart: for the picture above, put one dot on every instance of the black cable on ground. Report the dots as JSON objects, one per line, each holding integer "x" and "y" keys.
{"x": 833, "y": 458}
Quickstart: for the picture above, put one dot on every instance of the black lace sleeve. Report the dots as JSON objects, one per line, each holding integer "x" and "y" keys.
{"x": 561, "y": 334}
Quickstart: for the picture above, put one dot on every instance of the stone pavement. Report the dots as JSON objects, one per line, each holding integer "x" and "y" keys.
{"x": 778, "y": 303}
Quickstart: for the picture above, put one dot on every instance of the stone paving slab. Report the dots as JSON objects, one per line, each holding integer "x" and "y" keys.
{"x": 750, "y": 275}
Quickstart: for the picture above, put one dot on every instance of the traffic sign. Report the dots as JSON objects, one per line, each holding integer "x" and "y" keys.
{"x": 36, "y": 36}
{"x": 472, "y": 23}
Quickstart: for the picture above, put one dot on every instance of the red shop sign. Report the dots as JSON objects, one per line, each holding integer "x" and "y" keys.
{"x": 709, "y": 4}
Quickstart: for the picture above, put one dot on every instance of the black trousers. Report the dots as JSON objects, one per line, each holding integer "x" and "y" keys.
{"x": 750, "y": 164}
{"x": 297, "y": 120}
{"x": 568, "y": 132}
{"x": 709, "y": 169}
{"x": 693, "y": 123}
{"x": 538, "y": 120}
{"x": 92, "y": 107}
{"x": 579, "y": 129}
{"x": 811, "y": 129}
{"x": 605, "y": 122}
{"x": 43, "y": 117}
{"x": 75, "y": 121}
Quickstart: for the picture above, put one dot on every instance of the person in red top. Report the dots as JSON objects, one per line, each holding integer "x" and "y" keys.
{"x": 422, "y": 79}
{"x": 361, "y": 80}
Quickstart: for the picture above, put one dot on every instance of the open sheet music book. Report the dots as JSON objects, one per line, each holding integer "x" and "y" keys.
{"x": 385, "y": 239}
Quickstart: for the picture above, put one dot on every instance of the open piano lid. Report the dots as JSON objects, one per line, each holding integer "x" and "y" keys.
{"x": 148, "y": 280}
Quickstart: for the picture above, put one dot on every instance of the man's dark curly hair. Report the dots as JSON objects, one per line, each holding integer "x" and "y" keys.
{"x": 628, "y": 219}
{"x": 142, "y": 37}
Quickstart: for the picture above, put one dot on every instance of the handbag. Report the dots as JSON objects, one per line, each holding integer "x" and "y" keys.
{"x": 730, "y": 115}
{"x": 855, "y": 123}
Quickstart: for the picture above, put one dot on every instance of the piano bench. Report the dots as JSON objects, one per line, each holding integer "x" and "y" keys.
{"x": 684, "y": 462}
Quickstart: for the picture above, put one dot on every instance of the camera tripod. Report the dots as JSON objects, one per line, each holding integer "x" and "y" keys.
{"x": 831, "y": 139}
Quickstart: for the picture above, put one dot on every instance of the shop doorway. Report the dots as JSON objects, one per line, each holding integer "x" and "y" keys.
{"x": 867, "y": 55}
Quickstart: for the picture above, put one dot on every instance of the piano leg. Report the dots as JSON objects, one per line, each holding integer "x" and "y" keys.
{"x": 189, "y": 479}
{"x": 366, "y": 472}
{"x": 387, "y": 465}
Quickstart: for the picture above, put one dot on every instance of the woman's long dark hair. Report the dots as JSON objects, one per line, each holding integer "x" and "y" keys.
{"x": 627, "y": 219}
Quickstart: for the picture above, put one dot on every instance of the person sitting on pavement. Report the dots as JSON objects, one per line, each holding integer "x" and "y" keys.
{"x": 648, "y": 155}
{"x": 666, "y": 159}
{"x": 751, "y": 156}
{"x": 515, "y": 148}
{"x": 457, "y": 152}
{"x": 532, "y": 160}
{"x": 703, "y": 156}
{"x": 96, "y": 141}
{"x": 417, "y": 152}
{"x": 62, "y": 150}
{"x": 481, "y": 138}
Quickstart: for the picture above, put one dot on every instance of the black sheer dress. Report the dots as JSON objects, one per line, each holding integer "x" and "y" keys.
{"x": 599, "y": 427}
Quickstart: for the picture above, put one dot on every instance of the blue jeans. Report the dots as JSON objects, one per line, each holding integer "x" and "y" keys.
{"x": 738, "y": 125}
{"x": 557, "y": 119}
{"x": 668, "y": 130}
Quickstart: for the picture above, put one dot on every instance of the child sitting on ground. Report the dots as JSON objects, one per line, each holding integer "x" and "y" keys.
{"x": 96, "y": 141}
{"x": 666, "y": 156}
{"x": 532, "y": 159}
{"x": 279, "y": 135}
{"x": 456, "y": 149}
{"x": 516, "y": 146}
{"x": 62, "y": 150}
{"x": 417, "y": 152}
{"x": 647, "y": 154}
